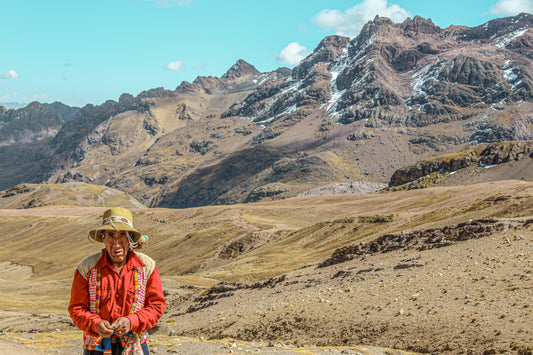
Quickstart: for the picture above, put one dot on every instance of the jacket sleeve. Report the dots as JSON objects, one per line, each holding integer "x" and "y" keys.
{"x": 154, "y": 305}
{"x": 79, "y": 306}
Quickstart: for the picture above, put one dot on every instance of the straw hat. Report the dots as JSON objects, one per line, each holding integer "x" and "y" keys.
{"x": 116, "y": 219}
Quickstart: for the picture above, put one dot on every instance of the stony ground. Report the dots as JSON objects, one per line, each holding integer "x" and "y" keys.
{"x": 193, "y": 346}
{"x": 441, "y": 271}
{"x": 471, "y": 295}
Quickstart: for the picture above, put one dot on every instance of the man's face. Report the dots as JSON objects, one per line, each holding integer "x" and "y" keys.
{"x": 117, "y": 245}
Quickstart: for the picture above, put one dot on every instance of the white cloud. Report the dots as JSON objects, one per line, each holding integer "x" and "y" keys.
{"x": 351, "y": 22}
{"x": 10, "y": 75}
{"x": 14, "y": 100}
{"x": 40, "y": 97}
{"x": 175, "y": 66}
{"x": 292, "y": 54}
{"x": 512, "y": 7}
{"x": 169, "y": 3}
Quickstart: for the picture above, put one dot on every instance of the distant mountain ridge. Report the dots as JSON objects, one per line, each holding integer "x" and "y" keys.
{"x": 412, "y": 73}
{"x": 34, "y": 122}
{"x": 11, "y": 105}
{"x": 353, "y": 110}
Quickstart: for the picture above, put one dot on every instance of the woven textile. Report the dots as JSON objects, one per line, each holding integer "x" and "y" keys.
{"x": 131, "y": 342}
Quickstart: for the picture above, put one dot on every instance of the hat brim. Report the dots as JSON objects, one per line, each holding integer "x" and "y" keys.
{"x": 96, "y": 234}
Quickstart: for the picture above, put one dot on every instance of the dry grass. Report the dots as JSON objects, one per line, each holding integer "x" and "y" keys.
{"x": 197, "y": 248}
{"x": 67, "y": 195}
{"x": 262, "y": 239}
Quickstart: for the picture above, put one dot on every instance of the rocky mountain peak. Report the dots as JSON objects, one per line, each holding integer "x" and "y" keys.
{"x": 414, "y": 72}
{"x": 240, "y": 70}
{"x": 156, "y": 92}
{"x": 371, "y": 28}
{"x": 209, "y": 84}
{"x": 499, "y": 31}
{"x": 32, "y": 123}
{"x": 328, "y": 50}
{"x": 238, "y": 74}
{"x": 34, "y": 105}
{"x": 419, "y": 25}
{"x": 333, "y": 44}
{"x": 125, "y": 98}
{"x": 380, "y": 21}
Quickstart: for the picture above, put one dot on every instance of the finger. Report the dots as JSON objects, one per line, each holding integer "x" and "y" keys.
{"x": 104, "y": 325}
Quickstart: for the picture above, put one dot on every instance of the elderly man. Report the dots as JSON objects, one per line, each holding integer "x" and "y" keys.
{"x": 116, "y": 293}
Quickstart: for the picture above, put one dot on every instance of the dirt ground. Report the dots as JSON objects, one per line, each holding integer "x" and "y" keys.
{"x": 473, "y": 297}
{"x": 469, "y": 297}
{"x": 193, "y": 346}
{"x": 438, "y": 286}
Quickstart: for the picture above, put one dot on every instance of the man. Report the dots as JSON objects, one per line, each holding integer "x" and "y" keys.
{"x": 116, "y": 294}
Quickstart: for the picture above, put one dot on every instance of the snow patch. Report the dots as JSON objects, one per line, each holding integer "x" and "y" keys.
{"x": 261, "y": 79}
{"x": 422, "y": 78}
{"x": 486, "y": 166}
{"x": 341, "y": 64}
{"x": 508, "y": 71}
{"x": 504, "y": 41}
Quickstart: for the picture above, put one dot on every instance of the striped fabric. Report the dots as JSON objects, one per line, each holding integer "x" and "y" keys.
{"x": 95, "y": 279}
{"x": 131, "y": 342}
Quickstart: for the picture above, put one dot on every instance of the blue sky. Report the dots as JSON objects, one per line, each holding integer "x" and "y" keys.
{"x": 79, "y": 52}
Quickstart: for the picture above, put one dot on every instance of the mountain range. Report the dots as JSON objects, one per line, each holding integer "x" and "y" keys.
{"x": 375, "y": 110}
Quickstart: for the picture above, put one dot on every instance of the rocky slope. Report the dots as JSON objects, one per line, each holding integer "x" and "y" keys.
{"x": 354, "y": 110}
{"x": 484, "y": 155}
{"x": 34, "y": 122}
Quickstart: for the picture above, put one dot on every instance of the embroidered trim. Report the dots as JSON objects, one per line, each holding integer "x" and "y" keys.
{"x": 95, "y": 279}
{"x": 140, "y": 281}
{"x": 117, "y": 219}
{"x": 131, "y": 342}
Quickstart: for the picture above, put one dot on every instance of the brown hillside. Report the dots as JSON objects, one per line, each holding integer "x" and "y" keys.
{"x": 405, "y": 299}
{"x": 74, "y": 194}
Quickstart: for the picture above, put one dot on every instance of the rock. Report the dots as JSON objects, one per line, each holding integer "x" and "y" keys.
{"x": 487, "y": 154}
{"x": 424, "y": 239}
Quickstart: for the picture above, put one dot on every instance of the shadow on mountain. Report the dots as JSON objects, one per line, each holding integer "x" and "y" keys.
{"x": 248, "y": 176}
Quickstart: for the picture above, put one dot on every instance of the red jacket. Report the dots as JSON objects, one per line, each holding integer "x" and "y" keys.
{"x": 116, "y": 297}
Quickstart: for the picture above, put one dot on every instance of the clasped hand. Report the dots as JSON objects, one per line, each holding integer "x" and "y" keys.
{"x": 120, "y": 327}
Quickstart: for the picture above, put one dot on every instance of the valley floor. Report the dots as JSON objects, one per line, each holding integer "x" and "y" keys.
{"x": 470, "y": 297}
{"x": 447, "y": 270}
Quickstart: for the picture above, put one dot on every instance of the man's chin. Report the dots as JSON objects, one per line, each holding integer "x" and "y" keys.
{"x": 117, "y": 258}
